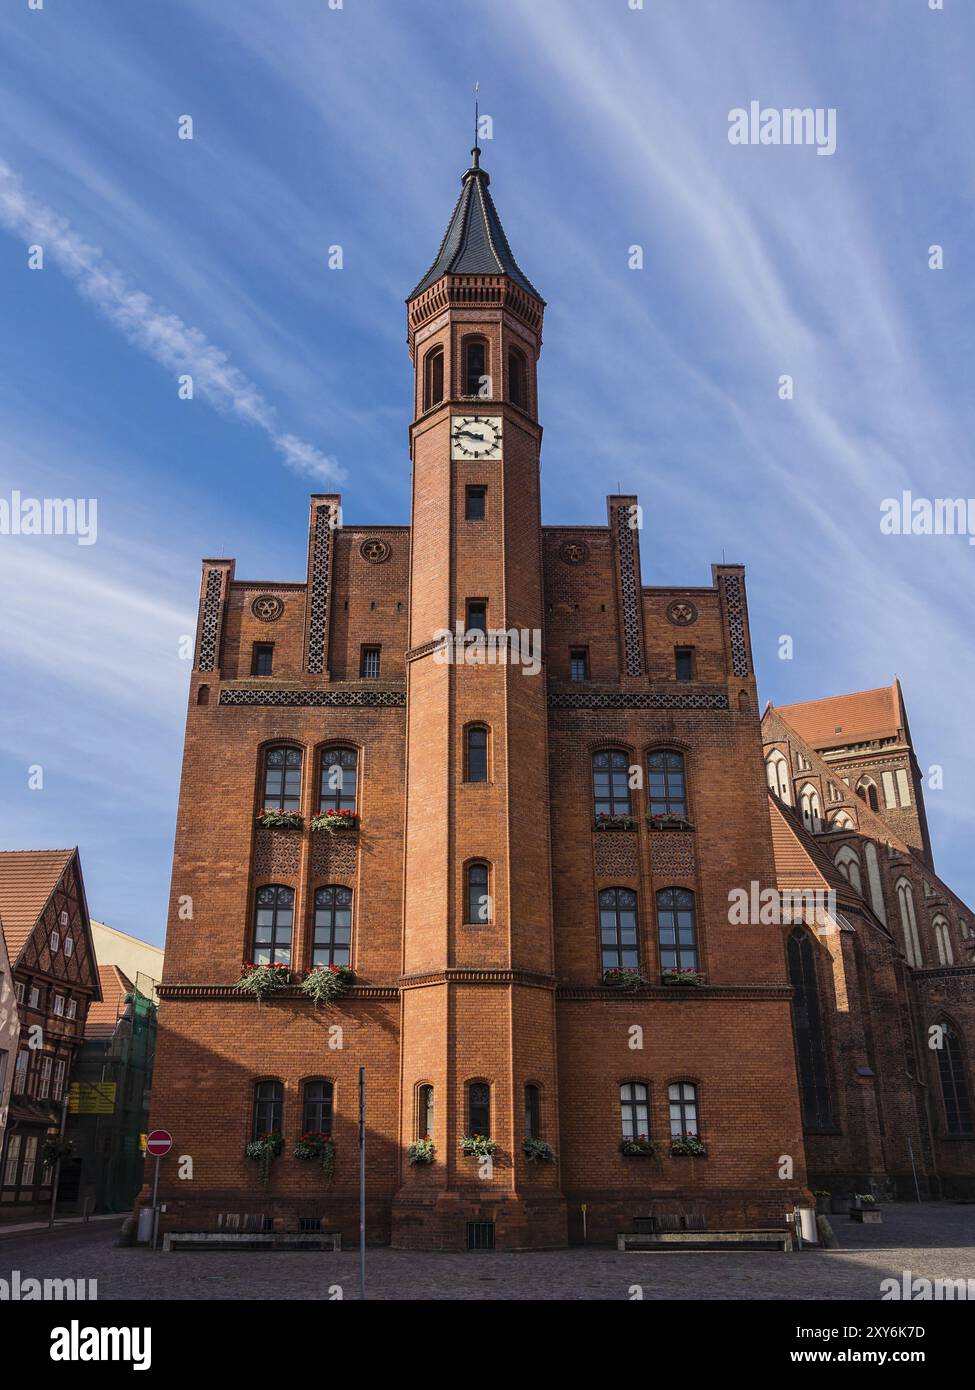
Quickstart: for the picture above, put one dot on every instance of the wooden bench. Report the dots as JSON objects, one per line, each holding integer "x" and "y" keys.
{"x": 696, "y": 1239}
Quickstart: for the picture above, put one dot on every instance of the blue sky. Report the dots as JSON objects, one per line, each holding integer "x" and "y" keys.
{"x": 315, "y": 127}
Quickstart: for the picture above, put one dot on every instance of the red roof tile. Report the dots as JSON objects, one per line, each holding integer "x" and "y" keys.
{"x": 844, "y": 719}
{"x": 103, "y": 1015}
{"x": 28, "y": 877}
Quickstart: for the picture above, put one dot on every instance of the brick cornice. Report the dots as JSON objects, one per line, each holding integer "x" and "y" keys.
{"x": 230, "y": 993}
{"x": 292, "y": 697}
{"x": 673, "y": 993}
{"x": 474, "y": 976}
{"x": 638, "y": 699}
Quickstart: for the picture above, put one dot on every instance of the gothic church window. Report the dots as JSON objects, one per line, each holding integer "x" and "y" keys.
{"x": 905, "y": 901}
{"x": 807, "y": 1024}
{"x": 777, "y": 774}
{"x": 954, "y": 1084}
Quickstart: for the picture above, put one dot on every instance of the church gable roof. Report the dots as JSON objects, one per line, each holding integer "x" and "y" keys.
{"x": 42, "y": 891}
{"x": 844, "y": 719}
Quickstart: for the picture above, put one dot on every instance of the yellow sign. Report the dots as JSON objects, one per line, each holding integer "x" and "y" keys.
{"x": 91, "y": 1097}
{"x": 142, "y": 1143}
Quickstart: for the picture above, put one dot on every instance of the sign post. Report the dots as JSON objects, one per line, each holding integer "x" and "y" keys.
{"x": 158, "y": 1143}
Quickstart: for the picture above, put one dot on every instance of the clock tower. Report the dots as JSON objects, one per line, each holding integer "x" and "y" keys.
{"x": 478, "y": 986}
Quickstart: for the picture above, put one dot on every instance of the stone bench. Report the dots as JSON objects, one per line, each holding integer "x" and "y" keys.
{"x": 705, "y": 1240}
{"x": 251, "y": 1240}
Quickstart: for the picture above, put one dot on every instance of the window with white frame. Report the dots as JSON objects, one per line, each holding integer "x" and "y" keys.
{"x": 35, "y": 997}
{"x": 811, "y": 809}
{"x": 69, "y": 946}
{"x": 30, "y": 1161}
{"x": 777, "y": 775}
{"x": 72, "y": 1009}
{"x": 55, "y": 941}
{"x": 58, "y": 1006}
{"x": 44, "y": 1077}
{"x": 13, "y": 1158}
{"x": 57, "y": 1086}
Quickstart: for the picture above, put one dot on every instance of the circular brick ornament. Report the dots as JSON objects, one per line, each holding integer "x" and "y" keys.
{"x": 681, "y": 613}
{"x": 573, "y": 552}
{"x": 267, "y": 607}
{"x": 375, "y": 550}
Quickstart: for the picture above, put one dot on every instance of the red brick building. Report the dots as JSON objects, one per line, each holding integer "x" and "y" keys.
{"x": 532, "y": 813}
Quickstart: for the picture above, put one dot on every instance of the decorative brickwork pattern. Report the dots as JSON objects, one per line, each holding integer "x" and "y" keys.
{"x": 671, "y": 854}
{"x": 321, "y": 558}
{"x": 299, "y": 699}
{"x": 635, "y": 700}
{"x": 210, "y": 623}
{"x": 736, "y": 624}
{"x": 616, "y": 855}
{"x": 631, "y": 597}
{"x": 334, "y": 856}
{"x": 277, "y": 852}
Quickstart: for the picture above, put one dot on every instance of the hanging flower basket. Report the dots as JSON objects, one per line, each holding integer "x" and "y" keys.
{"x": 686, "y": 1146}
{"x": 604, "y": 821}
{"x": 420, "y": 1152}
{"x": 263, "y": 980}
{"x": 327, "y": 983}
{"x": 264, "y": 1150}
{"x": 663, "y": 820}
{"x": 55, "y": 1149}
{"x": 621, "y": 977}
{"x": 280, "y": 820}
{"x": 315, "y": 1145}
{"x": 639, "y": 1148}
{"x": 478, "y": 1145}
{"x": 537, "y": 1151}
{"x": 333, "y": 821}
{"x": 684, "y": 976}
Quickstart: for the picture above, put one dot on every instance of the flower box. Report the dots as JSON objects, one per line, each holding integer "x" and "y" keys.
{"x": 681, "y": 977}
{"x": 280, "y": 820}
{"x": 663, "y": 821}
{"x": 420, "y": 1153}
{"x": 537, "y": 1151}
{"x": 639, "y": 1148}
{"x": 604, "y": 821}
{"x": 327, "y": 983}
{"x": 335, "y": 821}
{"x": 478, "y": 1146}
{"x": 314, "y": 1145}
{"x": 264, "y": 1150}
{"x": 620, "y": 977}
{"x": 687, "y": 1146}
{"x": 263, "y": 980}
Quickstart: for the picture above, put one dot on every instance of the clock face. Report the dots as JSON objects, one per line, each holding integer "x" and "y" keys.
{"x": 475, "y": 437}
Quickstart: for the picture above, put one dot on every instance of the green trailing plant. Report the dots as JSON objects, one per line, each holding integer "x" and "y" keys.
{"x": 280, "y": 820}
{"x": 537, "y": 1151}
{"x": 683, "y": 975}
{"x": 605, "y": 821}
{"x": 420, "y": 1152}
{"x": 639, "y": 1148}
{"x": 622, "y": 977}
{"x": 264, "y": 1150}
{"x": 865, "y": 1199}
{"x": 55, "y": 1148}
{"x": 478, "y": 1145}
{"x": 664, "y": 820}
{"x": 822, "y": 1194}
{"x": 333, "y": 821}
{"x": 312, "y": 1145}
{"x": 327, "y": 983}
{"x": 263, "y": 980}
{"x": 687, "y": 1146}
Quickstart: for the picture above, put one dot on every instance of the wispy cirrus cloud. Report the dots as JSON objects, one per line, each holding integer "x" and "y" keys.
{"x": 153, "y": 329}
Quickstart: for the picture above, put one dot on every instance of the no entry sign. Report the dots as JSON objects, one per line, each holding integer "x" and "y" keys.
{"x": 159, "y": 1143}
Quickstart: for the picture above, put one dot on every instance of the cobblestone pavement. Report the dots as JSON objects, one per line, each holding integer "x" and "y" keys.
{"x": 936, "y": 1240}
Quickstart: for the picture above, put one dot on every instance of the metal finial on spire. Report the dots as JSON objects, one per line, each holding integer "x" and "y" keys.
{"x": 475, "y": 152}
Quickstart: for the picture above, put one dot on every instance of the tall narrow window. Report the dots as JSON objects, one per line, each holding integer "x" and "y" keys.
{"x": 475, "y": 503}
{"x": 273, "y": 922}
{"x": 262, "y": 660}
{"x": 848, "y": 863}
{"x": 477, "y": 754}
{"x": 13, "y": 1159}
{"x": 677, "y": 929}
{"x": 433, "y": 378}
{"x": 611, "y": 783}
{"x": 866, "y": 789}
{"x": 339, "y": 779}
{"x": 57, "y": 1086}
{"x": 635, "y": 1110}
{"x": 684, "y": 663}
{"x": 807, "y": 1025}
{"x": 533, "y": 1113}
{"x": 282, "y": 779}
{"x": 905, "y": 901}
{"x": 579, "y": 664}
{"x": 478, "y": 904}
{"x": 369, "y": 663}
{"x": 517, "y": 379}
{"x": 317, "y": 1108}
{"x": 618, "y": 929}
{"x": 476, "y": 615}
{"x": 954, "y": 1084}
{"x": 946, "y": 955}
{"x": 667, "y": 783}
{"x": 268, "y": 1107}
{"x": 811, "y": 809}
{"x": 475, "y": 368}
{"x": 479, "y": 1108}
{"x": 332, "y": 944}
{"x": 424, "y": 1118}
{"x": 682, "y": 1099}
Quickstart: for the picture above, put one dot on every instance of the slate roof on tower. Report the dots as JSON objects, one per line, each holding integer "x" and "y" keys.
{"x": 474, "y": 242}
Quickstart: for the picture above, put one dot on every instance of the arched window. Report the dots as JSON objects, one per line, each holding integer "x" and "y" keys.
{"x": 476, "y": 754}
{"x": 905, "y": 901}
{"x": 533, "y": 1112}
{"x": 339, "y": 778}
{"x": 635, "y": 1110}
{"x": 477, "y": 901}
{"x": 203, "y": 695}
{"x": 317, "y": 1108}
{"x": 273, "y": 922}
{"x": 476, "y": 367}
{"x": 268, "y": 1108}
{"x": 809, "y": 805}
{"x": 617, "y": 929}
{"x": 424, "y": 1112}
{"x": 954, "y": 1084}
{"x": 611, "y": 783}
{"x": 866, "y": 790}
{"x": 840, "y": 820}
{"x": 807, "y": 1026}
{"x": 677, "y": 929}
{"x": 332, "y": 943}
{"x": 873, "y": 879}
{"x": 433, "y": 378}
{"x": 777, "y": 773}
{"x": 479, "y": 1108}
{"x": 667, "y": 784}
{"x": 848, "y": 863}
{"x": 517, "y": 379}
{"x": 942, "y": 937}
{"x": 682, "y": 1100}
{"x": 282, "y": 779}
